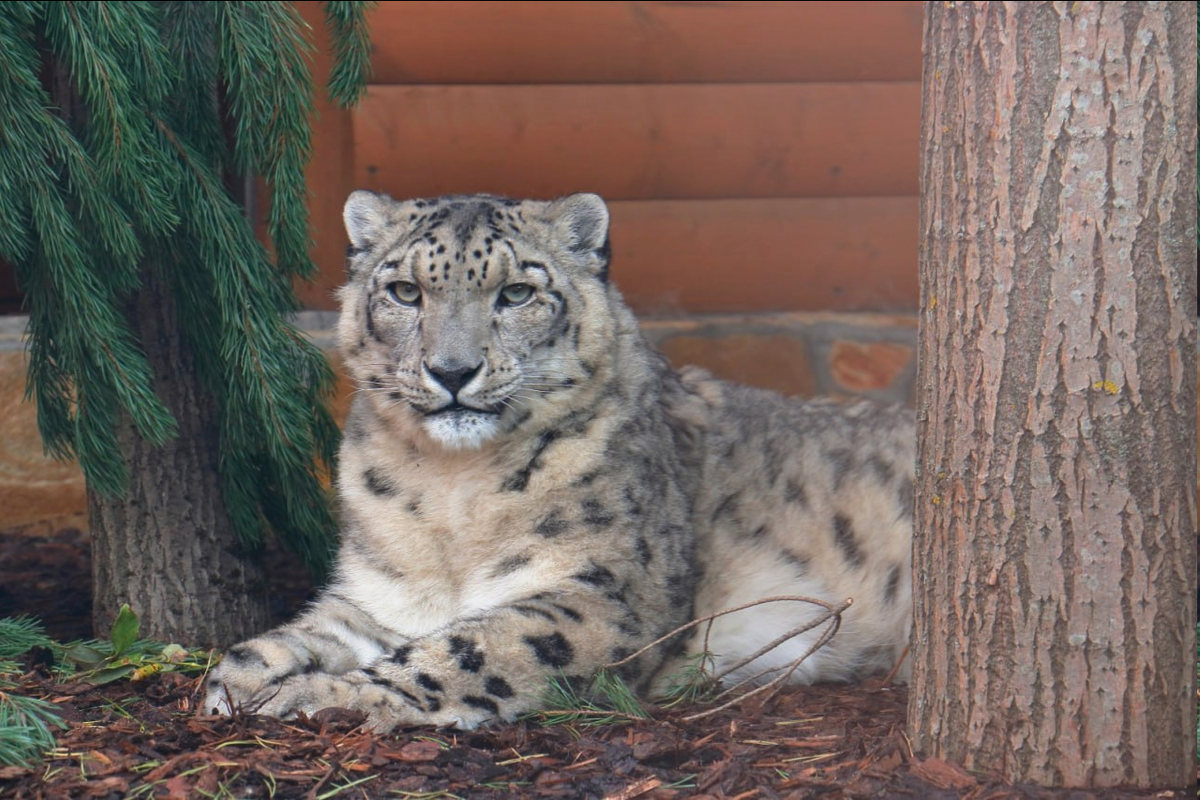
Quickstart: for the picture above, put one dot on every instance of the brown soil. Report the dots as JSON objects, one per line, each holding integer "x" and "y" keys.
{"x": 144, "y": 739}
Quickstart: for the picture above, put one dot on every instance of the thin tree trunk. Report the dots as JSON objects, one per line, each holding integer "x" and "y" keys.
{"x": 168, "y": 549}
{"x": 1054, "y": 635}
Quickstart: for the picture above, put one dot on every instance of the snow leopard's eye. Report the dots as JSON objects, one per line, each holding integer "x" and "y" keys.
{"x": 516, "y": 294}
{"x": 405, "y": 293}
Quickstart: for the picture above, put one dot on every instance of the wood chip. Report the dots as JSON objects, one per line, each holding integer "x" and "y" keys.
{"x": 419, "y": 751}
{"x": 635, "y": 789}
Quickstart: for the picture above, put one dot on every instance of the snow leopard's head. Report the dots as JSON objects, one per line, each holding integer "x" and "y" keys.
{"x": 473, "y": 317}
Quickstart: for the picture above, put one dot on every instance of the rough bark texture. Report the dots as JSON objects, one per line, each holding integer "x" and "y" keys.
{"x": 168, "y": 548}
{"x": 1054, "y": 638}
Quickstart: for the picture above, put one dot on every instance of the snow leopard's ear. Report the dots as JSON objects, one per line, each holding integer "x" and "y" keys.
{"x": 365, "y": 215}
{"x": 580, "y": 224}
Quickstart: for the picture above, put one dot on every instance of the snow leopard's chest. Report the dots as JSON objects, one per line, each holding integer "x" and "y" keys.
{"x": 429, "y": 546}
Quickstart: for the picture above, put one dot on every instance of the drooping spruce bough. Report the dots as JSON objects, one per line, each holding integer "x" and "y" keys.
{"x": 131, "y": 133}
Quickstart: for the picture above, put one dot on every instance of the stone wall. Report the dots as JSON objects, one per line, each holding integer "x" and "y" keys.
{"x": 37, "y": 494}
{"x": 801, "y": 354}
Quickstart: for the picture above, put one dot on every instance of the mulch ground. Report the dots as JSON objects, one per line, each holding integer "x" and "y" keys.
{"x": 144, "y": 740}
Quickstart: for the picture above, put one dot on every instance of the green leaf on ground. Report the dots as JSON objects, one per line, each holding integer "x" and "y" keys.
{"x": 124, "y": 630}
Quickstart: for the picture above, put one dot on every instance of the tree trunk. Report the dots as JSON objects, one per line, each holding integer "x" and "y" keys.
{"x": 168, "y": 548}
{"x": 1054, "y": 637}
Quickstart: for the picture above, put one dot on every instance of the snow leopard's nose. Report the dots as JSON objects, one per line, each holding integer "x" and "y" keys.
{"x": 453, "y": 378}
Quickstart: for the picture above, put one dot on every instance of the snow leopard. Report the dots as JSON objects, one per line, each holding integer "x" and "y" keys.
{"x": 528, "y": 491}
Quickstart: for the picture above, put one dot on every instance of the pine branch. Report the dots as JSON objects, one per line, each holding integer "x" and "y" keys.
{"x": 101, "y": 44}
{"x": 272, "y": 379}
{"x": 25, "y": 727}
{"x": 25, "y": 722}
{"x": 351, "y": 35}
{"x": 78, "y": 255}
{"x": 163, "y": 107}
{"x": 263, "y": 60}
{"x": 189, "y": 35}
{"x": 19, "y": 635}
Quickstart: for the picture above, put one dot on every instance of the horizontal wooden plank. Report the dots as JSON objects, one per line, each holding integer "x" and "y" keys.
{"x": 837, "y": 254}
{"x": 645, "y": 42}
{"x": 641, "y": 142}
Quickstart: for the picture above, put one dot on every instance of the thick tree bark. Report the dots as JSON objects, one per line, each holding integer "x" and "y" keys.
{"x": 168, "y": 548}
{"x": 1054, "y": 632}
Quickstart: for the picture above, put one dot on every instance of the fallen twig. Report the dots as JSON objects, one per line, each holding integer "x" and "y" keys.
{"x": 832, "y": 615}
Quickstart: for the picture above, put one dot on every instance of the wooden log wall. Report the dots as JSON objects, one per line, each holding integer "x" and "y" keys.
{"x": 758, "y": 156}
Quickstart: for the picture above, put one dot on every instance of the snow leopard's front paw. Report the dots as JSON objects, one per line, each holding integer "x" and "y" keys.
{"x": 247, "y": 674}
{"x": 311, "y": 692}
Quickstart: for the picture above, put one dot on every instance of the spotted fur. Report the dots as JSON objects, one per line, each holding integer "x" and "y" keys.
{"x": 529, "y": 490}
